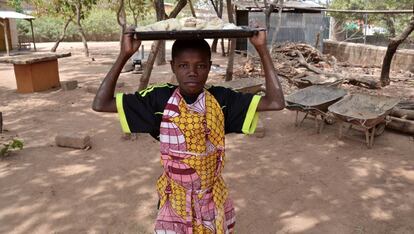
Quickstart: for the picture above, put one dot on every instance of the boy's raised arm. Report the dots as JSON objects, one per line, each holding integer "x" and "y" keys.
{"x": 104, "y": 100}
{"x": 273, "y": 99}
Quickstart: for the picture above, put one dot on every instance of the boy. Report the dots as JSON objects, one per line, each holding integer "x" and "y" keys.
{"x": 190, "y": 122}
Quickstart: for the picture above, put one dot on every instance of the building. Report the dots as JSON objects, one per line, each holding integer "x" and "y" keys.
{"x": 301, "y": 21}
{"x": 11, "y": 28}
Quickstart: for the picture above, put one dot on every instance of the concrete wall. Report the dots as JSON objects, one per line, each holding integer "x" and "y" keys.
{"x": 368, "y": 55}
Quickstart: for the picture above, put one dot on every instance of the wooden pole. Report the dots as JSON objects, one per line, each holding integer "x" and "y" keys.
{"x": 1, "y": 122}
{"x": 33, "y": 38}
{"x": 365, "y": 27}
{"x": 4, "y": 24}
{"x": 192, "y": 9}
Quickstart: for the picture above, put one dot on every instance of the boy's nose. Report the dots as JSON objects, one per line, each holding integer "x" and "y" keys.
{"x": 193, "y": 71}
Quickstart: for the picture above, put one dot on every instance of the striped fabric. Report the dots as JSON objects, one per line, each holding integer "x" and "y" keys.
{"x": 193, "y": 196}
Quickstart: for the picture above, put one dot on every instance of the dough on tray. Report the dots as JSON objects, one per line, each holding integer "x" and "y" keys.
{"x": 188, "y": 23}
{"x": 230, "y": 26}
{"x": 174, "y": 25}
{"x": 159, "y": 26}
{"x": 215, "y": 23}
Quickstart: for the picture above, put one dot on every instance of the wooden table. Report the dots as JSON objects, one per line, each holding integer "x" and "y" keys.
{"x": 35, "y": 72}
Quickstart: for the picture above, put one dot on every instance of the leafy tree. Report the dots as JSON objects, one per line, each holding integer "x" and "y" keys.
{"x": 393, "y": 23}
{"x": 16, "y": 4}
{"x": 140, "y": 9}
{"x": 70, "y": 10}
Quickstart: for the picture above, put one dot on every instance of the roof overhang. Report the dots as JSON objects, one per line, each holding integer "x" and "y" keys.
{"x": 14, "y": 15}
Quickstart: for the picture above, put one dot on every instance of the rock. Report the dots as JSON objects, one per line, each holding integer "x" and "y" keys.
{"x": 69, "y": 85}
{"x": 73, "y": 140}
{"x": 92, "y": 89}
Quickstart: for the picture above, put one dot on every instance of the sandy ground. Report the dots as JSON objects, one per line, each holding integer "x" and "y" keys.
{"x": 291, "y": 181}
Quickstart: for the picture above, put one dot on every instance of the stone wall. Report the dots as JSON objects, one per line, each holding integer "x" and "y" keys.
{"x": 368, "y": 55}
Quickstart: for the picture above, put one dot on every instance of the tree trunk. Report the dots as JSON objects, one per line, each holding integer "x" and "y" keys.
{"x": 218, "y": 8}
{"x": 62, "y": 36}
{"x": 149, "y": 65}
{"x": 268, "y": 13}
{"x": 389, "y": 21}
{"x": 402, "y": 113}
{"x": 392, "y": 48}
{"x": 134, "y": 12}
{"x": 155, "y": 47}
{"x": 337, "y": 33}
{"x": 160, "y": 11}
{"x": 80, "y": 28}
{"x": 279, "y": 22}
{"x": 192, "y": 9}
{"x": 121, "y": 17}
{"x": 214, "y": 45}
{"x": 401, "y": 125}
{"x": 1, "y": 122}
{"x": 223, "y": 50}
{"x": 180, "y": 5}
{"x": 230, "y": 62}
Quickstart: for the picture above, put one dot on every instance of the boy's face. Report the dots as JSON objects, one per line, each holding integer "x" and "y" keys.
{"x": 191, "y": 67}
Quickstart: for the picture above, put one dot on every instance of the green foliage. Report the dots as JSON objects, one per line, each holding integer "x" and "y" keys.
{"x": 99, "y": 25}
{"x": 389, "y": 22}
{"x": 13, "y": 145}
{"x": 16, "y": 4}
{"x": 45, "y": 28}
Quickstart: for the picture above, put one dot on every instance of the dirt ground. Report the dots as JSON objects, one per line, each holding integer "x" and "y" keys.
{"x": 291, "y": 181}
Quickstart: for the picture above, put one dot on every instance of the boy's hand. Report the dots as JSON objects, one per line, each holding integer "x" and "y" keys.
{"x": 129, "y": 44}
{"x": 259, "y": 39}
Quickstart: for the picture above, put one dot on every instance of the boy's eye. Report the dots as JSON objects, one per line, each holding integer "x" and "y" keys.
{"x": 183, "y": 65}
{"x": 201, "y": 66}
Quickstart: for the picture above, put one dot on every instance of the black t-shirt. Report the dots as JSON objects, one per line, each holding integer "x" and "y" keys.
{"x": 142, "y": 111}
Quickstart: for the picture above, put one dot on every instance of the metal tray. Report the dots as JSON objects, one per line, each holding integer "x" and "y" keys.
{"x": 364, "y": 107}
{"x": 197, "y": 34}
{"x": 315, "y": 96}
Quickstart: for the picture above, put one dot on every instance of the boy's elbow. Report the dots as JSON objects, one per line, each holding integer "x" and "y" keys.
{"x": 104, "y": 107}
{"x": 271, "y": 105}
{"x": 97, "y": 108}
{"x": 277, "y": 106}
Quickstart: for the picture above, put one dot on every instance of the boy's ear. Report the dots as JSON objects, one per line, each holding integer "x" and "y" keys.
{"x": 172, "y": 65}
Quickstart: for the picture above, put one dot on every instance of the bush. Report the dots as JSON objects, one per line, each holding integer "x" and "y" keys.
{"x": 100, "y": 25}
{"x": 13, "y": 145}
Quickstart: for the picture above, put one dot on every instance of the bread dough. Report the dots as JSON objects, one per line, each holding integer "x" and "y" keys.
{"x": 173, "y": 25}
{"x": 215, "y": 23}
{"x": 230, "y": 26}
{"x": 159, "y": 26}
{"x": 188, "y": 23}
{"x": 200, "y": 24}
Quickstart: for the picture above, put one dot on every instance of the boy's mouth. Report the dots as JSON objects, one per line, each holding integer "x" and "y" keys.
{"x": 192, "y": 83}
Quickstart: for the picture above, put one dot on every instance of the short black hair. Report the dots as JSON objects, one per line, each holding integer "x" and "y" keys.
{"x": 196, "y": 44}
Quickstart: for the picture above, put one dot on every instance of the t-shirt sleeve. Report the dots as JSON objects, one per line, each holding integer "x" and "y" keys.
{"x": 240, "y": 110}
{"x": 142, "y": 111}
